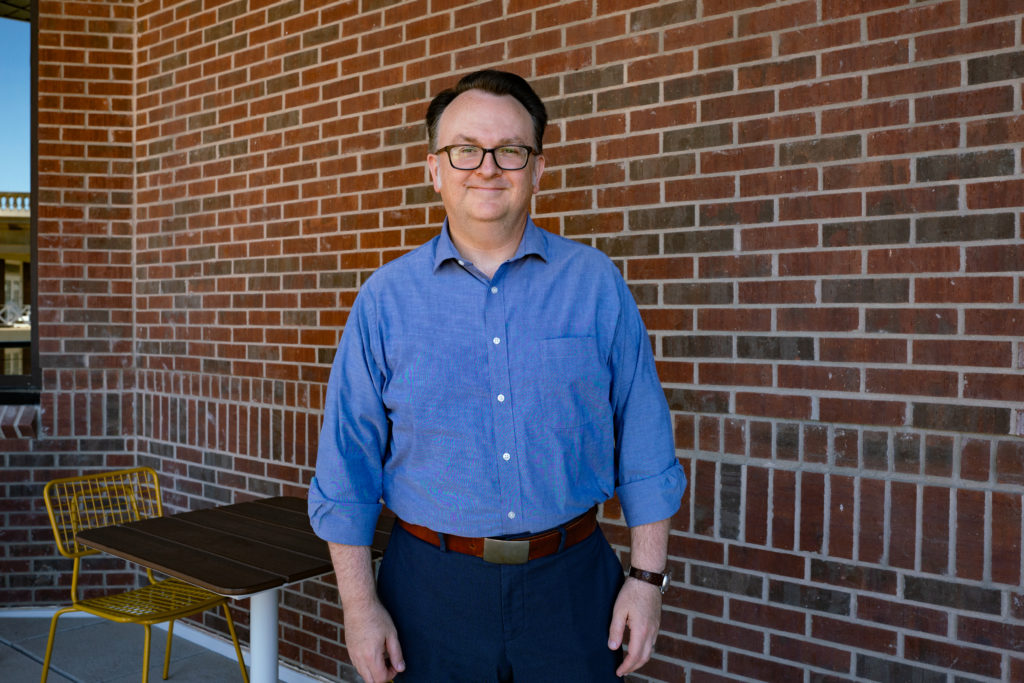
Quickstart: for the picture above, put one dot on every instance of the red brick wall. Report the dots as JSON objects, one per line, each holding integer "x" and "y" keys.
{"x": 818, "y": 205}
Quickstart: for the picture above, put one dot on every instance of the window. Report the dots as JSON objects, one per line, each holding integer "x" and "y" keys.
{"x": 19, "y": 367}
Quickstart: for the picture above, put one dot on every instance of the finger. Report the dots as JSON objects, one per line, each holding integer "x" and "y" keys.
{"x": 616, "y": 630}
{"x": 641, "y": 647}
{"x": 394, "y": 654}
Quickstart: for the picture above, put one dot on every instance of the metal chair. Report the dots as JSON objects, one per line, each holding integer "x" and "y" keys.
{"x": 96, "y": 500}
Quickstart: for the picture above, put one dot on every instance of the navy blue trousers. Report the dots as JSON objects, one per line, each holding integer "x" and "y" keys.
{"x": 462, "y": 619}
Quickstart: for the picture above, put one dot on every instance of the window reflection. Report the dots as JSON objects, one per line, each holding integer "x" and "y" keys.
{"x": 15, "y": 273}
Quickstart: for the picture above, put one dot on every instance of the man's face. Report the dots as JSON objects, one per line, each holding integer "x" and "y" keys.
{"x": 487, "y": 194}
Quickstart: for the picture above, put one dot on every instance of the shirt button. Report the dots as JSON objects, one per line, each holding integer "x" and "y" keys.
{"x": 512, "y": 515}
{"x": 494, "y": 290}
{"x": 496, "y": 341}
{"x": 506, "y": 456}
{"x": 501, "y": 398}
{"x": 461, "y": 262}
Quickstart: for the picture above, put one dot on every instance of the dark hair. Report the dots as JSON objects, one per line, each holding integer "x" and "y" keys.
{"x": 496, "y": 83}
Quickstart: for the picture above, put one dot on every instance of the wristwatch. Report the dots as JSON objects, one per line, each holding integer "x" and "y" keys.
{"x": 659, "y": 580}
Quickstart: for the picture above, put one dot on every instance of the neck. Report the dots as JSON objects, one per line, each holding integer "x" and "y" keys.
{"x": 487, "y": 246}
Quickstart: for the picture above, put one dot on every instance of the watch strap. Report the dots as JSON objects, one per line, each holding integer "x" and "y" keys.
{"x": 653, "y": 578}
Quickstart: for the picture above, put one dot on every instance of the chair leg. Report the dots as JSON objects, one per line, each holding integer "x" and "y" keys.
{"x": 145, "y": 654}
{"x": 167, "y": 650}
{"x": 49, "y": 642}
{"x": 234, "y": 638}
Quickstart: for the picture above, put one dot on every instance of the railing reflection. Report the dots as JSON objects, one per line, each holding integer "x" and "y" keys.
{"x": 15, "y": 203}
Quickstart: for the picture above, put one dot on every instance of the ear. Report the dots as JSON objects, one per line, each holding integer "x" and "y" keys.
{"x": 435, "y": 171}
{"x": 538, "y": 169}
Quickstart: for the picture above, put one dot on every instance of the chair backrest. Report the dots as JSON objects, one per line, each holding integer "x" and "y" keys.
{"x": 95, "y": 500}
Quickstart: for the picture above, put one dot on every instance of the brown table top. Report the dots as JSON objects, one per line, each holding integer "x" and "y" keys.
{"x": 234, "y": 550}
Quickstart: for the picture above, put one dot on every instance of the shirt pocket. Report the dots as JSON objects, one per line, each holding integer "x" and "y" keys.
{"x": 576, "y": 386}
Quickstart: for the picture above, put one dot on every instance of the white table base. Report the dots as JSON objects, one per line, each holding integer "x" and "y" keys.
{"x": 263, "y": 637}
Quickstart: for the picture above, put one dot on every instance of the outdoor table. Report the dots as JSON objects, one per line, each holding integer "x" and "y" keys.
{"x": 244, "y": 549}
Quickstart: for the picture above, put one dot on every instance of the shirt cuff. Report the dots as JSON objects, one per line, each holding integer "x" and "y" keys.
{"x": 342, "y": 522}
{"x": 652, "y": 499}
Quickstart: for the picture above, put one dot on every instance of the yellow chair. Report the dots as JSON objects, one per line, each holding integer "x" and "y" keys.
{"x": 96, "y": 500}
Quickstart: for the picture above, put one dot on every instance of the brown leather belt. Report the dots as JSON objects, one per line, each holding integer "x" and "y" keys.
{"x": 515, "y": 551}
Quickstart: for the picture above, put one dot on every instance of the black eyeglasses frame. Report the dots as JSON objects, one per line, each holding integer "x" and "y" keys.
{"x": 448, "y": 152}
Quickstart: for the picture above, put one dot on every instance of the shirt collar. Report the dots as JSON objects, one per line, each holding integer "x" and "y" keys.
{"x": 534, "y": 243}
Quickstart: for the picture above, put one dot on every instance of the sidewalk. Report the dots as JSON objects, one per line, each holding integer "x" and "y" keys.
{"x": 89, "y": 650}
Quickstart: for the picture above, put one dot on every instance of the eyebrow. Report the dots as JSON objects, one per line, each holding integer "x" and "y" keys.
{"x": 465, "y": 139}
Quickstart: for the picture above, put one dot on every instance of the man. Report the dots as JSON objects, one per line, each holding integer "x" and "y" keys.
{"x": 491, "y": 388}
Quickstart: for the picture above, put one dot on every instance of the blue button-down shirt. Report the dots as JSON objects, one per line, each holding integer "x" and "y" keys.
{"x": 485, "y": 407}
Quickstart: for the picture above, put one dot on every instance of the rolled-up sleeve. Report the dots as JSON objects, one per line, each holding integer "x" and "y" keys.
{"x": 345, "y": 493}
{"x": 649, "y": 479}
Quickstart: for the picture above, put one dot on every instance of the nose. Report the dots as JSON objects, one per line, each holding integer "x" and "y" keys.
{"x": 489, "y": 166}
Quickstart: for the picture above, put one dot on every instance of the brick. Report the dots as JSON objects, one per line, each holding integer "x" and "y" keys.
{"x": 913, "y": 20}
{"x": 864, "y": 350}
{"x": 697, "y": 85}
{"x": 849, "y": 411}
{"x": 735, "y": 106}
{"x": 977, "y": 289}
{"x": 736, "y": 159}
{"x": 921, "y": 139}
{"x": 1006, "y": 534}
{"x": 998, "y": 67}
{"x": 776, "y": 407}
{"x": 821, "y": 94}
{"x": 1008, "y": 463}
{"x": 776, "y": 127}
{"x": 800, "y": 264}
{"x": 995, "y": 130}
{"x": 822, "y": 206}
{"x": 727, "y": 581}
{"x": 947, "y": 655}
{"x": 994, "y": 321}
{"x": 912, "y": 200}
{"x": 853, "y": 634}
{"x": 995, "y": 195}
{"x": 982, "y": 420}
{"x": 758, "y": 614}
{"x": 809, "y": 597}
{"x": 914, "y": 80}
{"x": 990, "y": 226}
{"x": 914, "y": 260}
{"x": 963, "y": 41}
{"x": 987, "y": 102}
{"x": 781, "y": 348}
{"x": 878, "y": 669}
{"x": 818, "y": 37}
{"x": 776, "y": 73}
{"x": 887, "y": 114}
{"x": 734, "y": 52}
{"x": 757, "y": 667}
{"x": 912, "y": 382}
{"x": 975, "y": 353}
{"x": 827, "y": 378}
{"x": 810, "y": 653}
{"x": 866, "y": 57}
{"x": 994, "y": 387}
{"x": 737, "y": 213}
{"x": 896, "y": 172}
{"x": 859, "y": 290}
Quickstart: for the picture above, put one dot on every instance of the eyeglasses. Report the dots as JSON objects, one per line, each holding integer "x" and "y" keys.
{"x": 471, "y": 157}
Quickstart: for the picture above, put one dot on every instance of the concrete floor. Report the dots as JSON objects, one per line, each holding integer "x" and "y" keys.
{"x": 91, "y": 650}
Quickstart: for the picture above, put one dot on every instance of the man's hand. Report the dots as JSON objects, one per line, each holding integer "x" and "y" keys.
{"x": 370, "y": 634}
{"x": 372, "y": 642}
{"x": 637, "y": 608}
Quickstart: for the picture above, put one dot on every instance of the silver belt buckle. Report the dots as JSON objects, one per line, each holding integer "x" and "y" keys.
{"x": 506, "y": 552}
